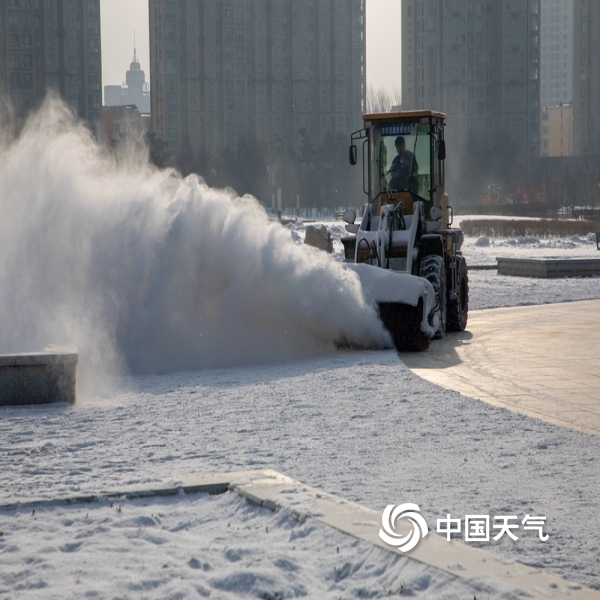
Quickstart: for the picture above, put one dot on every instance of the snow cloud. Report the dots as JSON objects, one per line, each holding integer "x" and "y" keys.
{"x": 148, "y": 272}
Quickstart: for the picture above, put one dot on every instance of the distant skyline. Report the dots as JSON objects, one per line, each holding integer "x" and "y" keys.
{"x": 120, "y": 19}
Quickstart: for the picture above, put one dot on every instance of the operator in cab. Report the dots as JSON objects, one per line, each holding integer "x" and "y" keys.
{"x": 404, "y": 168}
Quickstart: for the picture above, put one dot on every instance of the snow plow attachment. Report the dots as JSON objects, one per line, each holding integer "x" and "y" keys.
{"x": 407, "y": 305}
{"x": 403, "y": 323}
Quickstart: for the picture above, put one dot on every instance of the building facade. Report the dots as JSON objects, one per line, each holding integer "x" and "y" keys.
{"x": 557, "y": 130}
{"x": 586, "y": 79}
{"x": 135, "y": 91}
{"x": 117, "y": 123}
{"x": 267, "y": 69}
{"x": 556, "y": 57}
{"x": 478, "y": 61}
{"x": 51, "y": 45}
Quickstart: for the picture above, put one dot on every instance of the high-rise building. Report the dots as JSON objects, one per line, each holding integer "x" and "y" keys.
{"x": 478, "y": 61}
{"x": 556, "y": 56}
{"x": 586, "y": 77}
{"x": 51, "y": 45}
{"x": 224, "y": 69}
{"x": 135, "y": 91}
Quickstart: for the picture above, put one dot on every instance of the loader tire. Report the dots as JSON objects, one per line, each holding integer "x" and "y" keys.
{"x": 404, "y": 324}
{"x": 433, "y": 269}
{"x": 458, "y": 308}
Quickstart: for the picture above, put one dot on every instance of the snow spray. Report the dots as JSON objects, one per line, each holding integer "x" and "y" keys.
{"x": 148, "y": 272}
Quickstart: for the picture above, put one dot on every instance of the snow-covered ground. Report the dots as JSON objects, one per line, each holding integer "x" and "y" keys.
{"x": 359, "y": 425}
{"x": 203, "y": 546}
{"x": 484, "y": 250}
{"x": 136, "y": 265}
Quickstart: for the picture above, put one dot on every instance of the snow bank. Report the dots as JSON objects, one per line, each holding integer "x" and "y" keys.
{"x": 140, "y": 268}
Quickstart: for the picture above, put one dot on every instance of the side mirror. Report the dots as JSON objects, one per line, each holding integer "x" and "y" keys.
{"x": 349, "y": 216}
{"x": 441, "y": 149}
{"x": 352, "y": 154}
{"x": 352, "y": 227}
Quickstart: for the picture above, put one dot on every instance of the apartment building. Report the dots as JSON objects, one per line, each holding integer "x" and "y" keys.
{"x": 267, "y": 69}
{"x": 51, "y": 45}
{"x": 586, "y": 77}
{"x": 556, "y": 56}
{"x": 478, "y": 61}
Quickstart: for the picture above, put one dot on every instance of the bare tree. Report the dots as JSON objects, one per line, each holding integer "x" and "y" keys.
{"x": 383, "y": 99}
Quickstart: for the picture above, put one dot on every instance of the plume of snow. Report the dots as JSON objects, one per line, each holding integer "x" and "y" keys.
{"x": 142, "y": 270}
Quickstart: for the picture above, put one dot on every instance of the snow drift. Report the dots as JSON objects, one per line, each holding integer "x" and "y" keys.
{"x": 140, "y": 268}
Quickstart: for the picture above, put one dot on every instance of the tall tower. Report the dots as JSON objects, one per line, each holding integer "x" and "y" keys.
{"x": 478, "y": 61}
{"x": 222, "y": 70}
{"x": 51, "y": 45}
{"x": 135, "y": 77}
{"x": 137, "y": 92}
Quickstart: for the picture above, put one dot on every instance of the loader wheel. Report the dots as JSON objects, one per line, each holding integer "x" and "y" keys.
{"x": 458, "y": 308}
{"x": 404, "y": 324}
{"x": 432, "y": 269}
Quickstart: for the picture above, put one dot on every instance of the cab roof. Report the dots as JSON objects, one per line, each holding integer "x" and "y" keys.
{"x": 404, "y": 114}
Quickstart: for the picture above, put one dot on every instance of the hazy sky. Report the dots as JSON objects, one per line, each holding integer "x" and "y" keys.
{"x": 120, "y": 18}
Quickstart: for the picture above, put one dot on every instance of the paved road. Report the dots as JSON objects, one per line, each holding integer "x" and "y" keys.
{"x": 543, "y": 361}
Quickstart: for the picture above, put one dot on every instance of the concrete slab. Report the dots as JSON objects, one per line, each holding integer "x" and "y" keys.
{"x": 542, "y": 361}
{"x": 549, "y": 267}
{"x": 275, "y": 491}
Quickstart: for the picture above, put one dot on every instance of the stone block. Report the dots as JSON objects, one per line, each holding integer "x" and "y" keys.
{"x": 319, "y": 237}
{"x": 38, "y": 377}
{"x": 545, "y": 268}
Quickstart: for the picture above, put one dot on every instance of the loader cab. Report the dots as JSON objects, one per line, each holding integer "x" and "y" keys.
{"x": 403, "y": 158}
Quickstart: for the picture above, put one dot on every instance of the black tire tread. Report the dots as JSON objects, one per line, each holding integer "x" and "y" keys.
{"x": 458, "y": 309}
{"x": 433, "y": 269}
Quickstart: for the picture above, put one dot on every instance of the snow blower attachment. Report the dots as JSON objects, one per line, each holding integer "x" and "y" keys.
{"x": 420, "y": 280}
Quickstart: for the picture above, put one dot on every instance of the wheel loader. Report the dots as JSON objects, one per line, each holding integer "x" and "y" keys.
{"x": 404, "y": 249}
